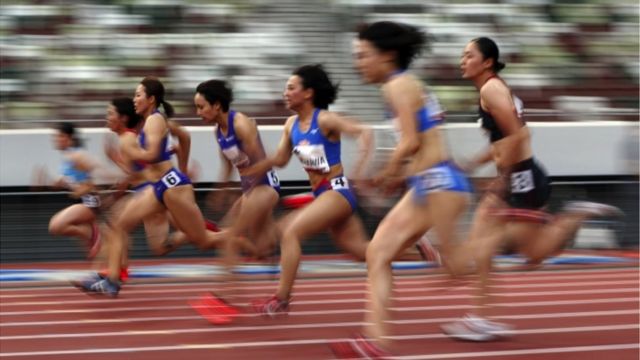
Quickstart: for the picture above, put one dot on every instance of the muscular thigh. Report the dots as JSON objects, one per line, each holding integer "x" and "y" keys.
{"x": 405, "y": 223}
{"x": 324, "y": 212}
{"x": 257, "y": 206}
{"x": 137, "y": 209}
{"x": 74, "y": 214}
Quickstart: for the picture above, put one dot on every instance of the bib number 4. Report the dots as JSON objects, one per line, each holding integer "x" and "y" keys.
{"x": 339, "y": 183}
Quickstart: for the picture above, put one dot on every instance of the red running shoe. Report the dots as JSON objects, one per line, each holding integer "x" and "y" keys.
{"x": 271, "y": 307}
{"x": 359, "y": 347}
{"x": 214, "y": 309}
{"x": 124, "y": 274}
{"x": 96, "y": 241}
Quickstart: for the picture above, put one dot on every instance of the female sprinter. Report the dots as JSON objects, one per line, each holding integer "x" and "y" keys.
{"x": 171, "y": 189}
{"x": 438, "y": 192}
{"x": 240, "y": 145}
{"x": 78, "y": 220}
{"x": 313, "y": 134}
{"x": 510, "y": 213}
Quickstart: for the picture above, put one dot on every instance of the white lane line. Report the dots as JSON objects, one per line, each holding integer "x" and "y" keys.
{"x": 349, "y": 282}
{"x": 524, "y": 352}
{"x": 336, "y": 301}
{"x": 401, "y": 287}
{"x": 320, "y": 312}
{"x": 587, "y": 314}
{"x": 280, "y": 343}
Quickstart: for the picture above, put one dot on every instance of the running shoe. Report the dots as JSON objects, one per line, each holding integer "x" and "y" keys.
{"x": 592, "y": 208}
{"x": 214, "y": 309}
{"x": 271, "y": 307}
{"x": 100, "y": 287}
{"x": 475, "y": 328}
{"x": 95, "y": 242}
{"x": 428, "y": 252}
{"x": 85, "y": 283}
{"x": 358, "y": 347}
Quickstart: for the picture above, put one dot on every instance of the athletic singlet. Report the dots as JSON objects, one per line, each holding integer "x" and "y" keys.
{"x": 428, "y": 116}
{"x": 231, "y": 146}
{"x": 69, "y": 171}
{"x": 489, "y": 123}
{"x": 165, "y": 154}
{"x": 314, "y": 150}
{"x": 232, "y": 149}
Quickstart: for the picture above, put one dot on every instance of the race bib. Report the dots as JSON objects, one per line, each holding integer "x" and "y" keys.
{"x": 235, "y": 156}
{"x": 91, "y": 201}
{"x": 522, "y": 181}
{"x": 171, "y": 179}
{"x": 312, "y": 157}
{"x": 273, "y": 178}
{"x": 437, "y": 179}
{"x": 340, "y": 182}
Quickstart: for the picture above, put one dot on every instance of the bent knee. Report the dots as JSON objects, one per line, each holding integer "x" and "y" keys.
{"x": 378, "y": 256}
{"x": 56, "y": 228}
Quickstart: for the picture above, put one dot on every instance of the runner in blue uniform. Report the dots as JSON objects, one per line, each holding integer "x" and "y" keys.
{"x": 313, "y": 135}
{"x": 78, "y": 220}
{"x": 171, "y": 189}
{"x": 438, "y": 192}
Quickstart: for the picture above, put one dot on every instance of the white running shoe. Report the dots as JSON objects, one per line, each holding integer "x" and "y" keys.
{"x": 592, "y": 208}
{"x": 474, "y": 328}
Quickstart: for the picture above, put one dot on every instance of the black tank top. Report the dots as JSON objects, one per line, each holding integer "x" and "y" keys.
{"x": 489, "y": 123}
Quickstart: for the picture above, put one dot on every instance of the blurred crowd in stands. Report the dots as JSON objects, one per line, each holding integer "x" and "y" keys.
{"x": 64, "y": 60}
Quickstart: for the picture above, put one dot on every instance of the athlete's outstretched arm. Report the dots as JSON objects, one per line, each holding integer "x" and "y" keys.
{"x": 184, "y": 142}
{"x": 353, "y": 128}
{"x": 280, "y": 159}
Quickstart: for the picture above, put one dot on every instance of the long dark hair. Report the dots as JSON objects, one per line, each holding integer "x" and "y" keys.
{"x": 489, "y": 50}
{"x": 405, "y": 40}
{"x": 316, "y": 78}
{"x": 153, "y": 87}
{"x": 124, "y": 106}
{"x": 69, "y": 129}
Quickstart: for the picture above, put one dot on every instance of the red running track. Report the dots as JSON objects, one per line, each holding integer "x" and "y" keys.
{"x": 585, "y": 313}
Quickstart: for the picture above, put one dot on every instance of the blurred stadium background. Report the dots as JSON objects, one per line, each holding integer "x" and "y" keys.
{"x": 64, "y": 60}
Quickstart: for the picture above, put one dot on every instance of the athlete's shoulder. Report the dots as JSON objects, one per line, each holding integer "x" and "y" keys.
{"x": 290, "y": 121}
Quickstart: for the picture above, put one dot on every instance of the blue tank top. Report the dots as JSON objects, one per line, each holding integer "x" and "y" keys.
{"x": 314, "y": 150}
{"x": 428, "y": 116}
{"x": 230, "y": 145}
{"x": 165, "y": 154}
{"x": 69, "y": 171}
